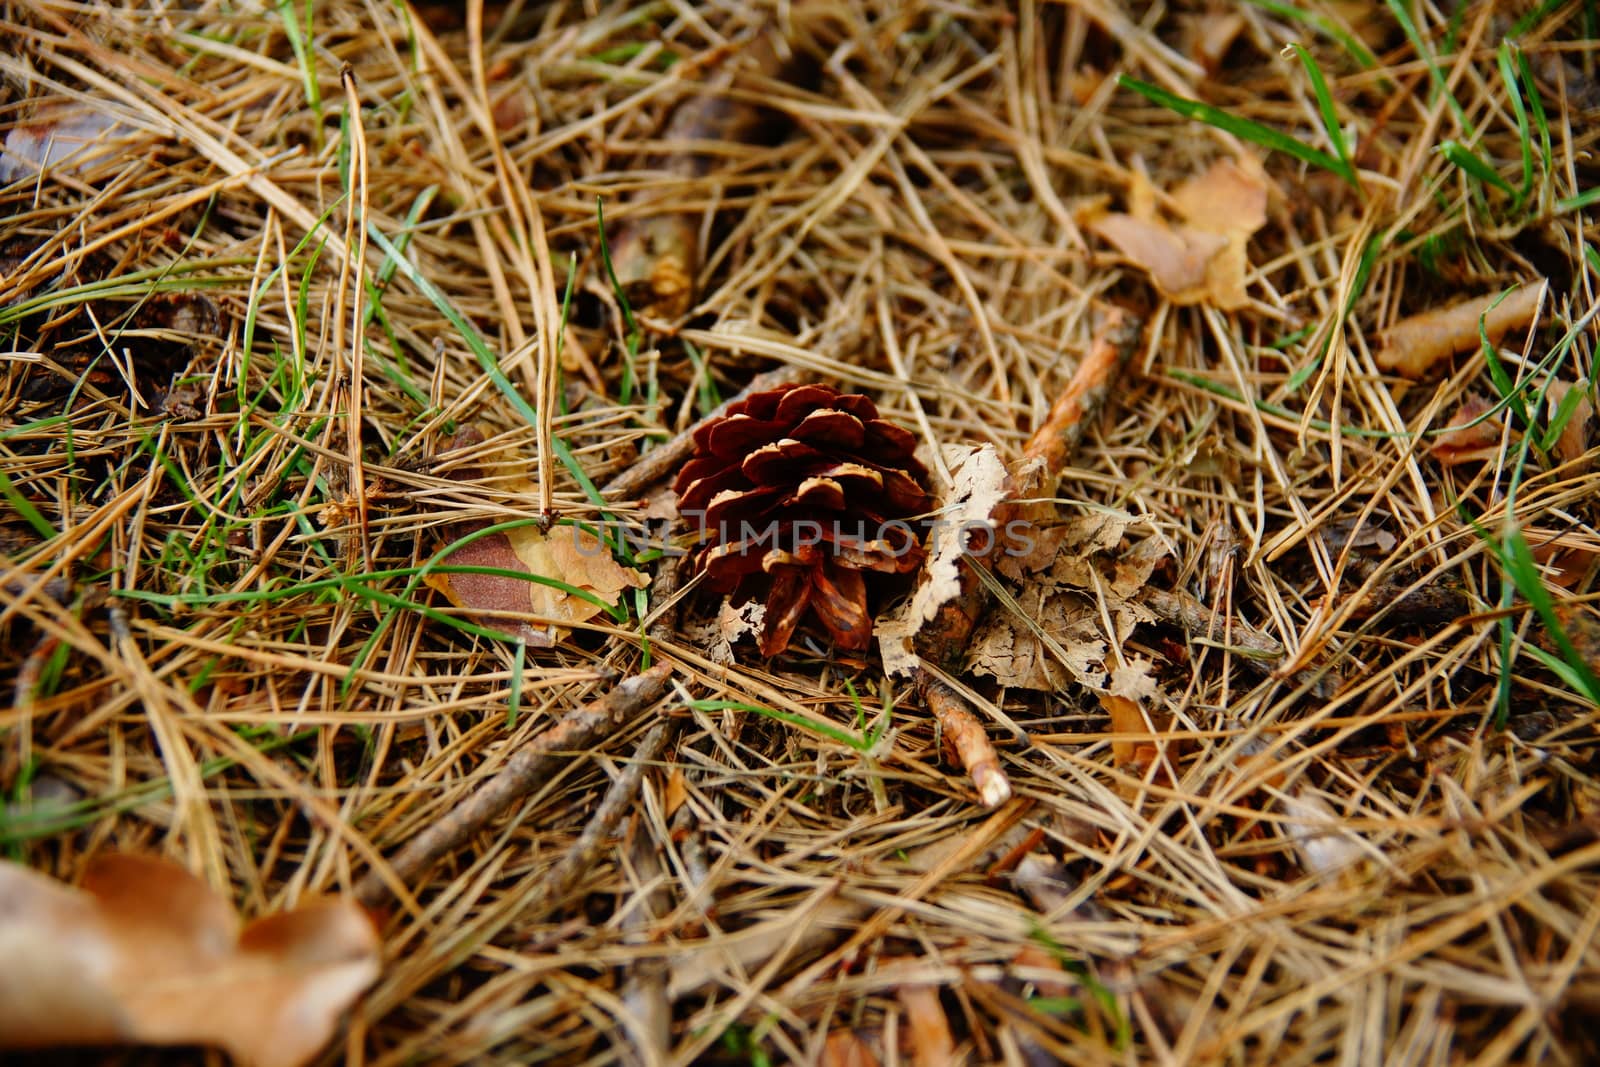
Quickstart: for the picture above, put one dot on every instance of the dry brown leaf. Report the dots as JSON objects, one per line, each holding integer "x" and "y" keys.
{"x": 927, "y": 1028}
{"x": 1203, "y": 259}
{"x": 540, "y": 612}
{"x": 1207, "y": 37}
{"x": 145, "y": 953}
{"x": 1133, "y": 701}
{"x": 1007, "y": 649}
{"x": 1574, "y": 439}
{"x": 847, "y": 1048}
{"x": 1063, "y": 603}
{"x": 1414, "y": 344}
{"x": 1473, "y": 434}
{"x": 1228, "y": 197}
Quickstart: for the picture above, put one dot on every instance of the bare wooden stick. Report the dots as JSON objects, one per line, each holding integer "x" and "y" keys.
{"x": 528, "y": 769}
{"x": 966, "y": 735}
{"x": 1260, "y": 652}
{"x": 617, "y": 801}
{"x": 659, "y": 462}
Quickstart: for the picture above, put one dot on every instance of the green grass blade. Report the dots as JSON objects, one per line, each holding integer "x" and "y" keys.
{"x": 1327, "y": 27}
{"x": 1470, "y": 163}
{"x": 1325, "y": 104}
{"x": 1435, "y": 75}
{"x": 1254, "y": 132}
{"x": 804, "y": 722}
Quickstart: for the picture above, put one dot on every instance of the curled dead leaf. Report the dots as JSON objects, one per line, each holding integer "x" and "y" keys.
{"x": 145, "y": 953}
{"x": 1473, "y": 433}
{"x": 1414, "y": 344}
{"x": 980, "y": 485}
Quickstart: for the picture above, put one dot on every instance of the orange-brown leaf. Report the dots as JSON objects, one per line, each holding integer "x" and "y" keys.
{"x": 145, "y": 953}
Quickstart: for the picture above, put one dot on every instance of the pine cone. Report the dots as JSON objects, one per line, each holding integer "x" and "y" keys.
{"x": 796, "y": 492}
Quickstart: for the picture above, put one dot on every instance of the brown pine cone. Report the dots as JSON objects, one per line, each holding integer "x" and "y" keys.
{"x": 796, "y": 492}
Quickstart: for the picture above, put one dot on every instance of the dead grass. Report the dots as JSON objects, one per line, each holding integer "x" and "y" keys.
{"x": 218, "y": 650}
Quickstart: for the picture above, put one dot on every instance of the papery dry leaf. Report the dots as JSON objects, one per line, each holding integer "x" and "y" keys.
{"x": 1203, "y": 259}
{"x": 1207, "y": 37}
{"x": 1227, "y": 197}
{"x": 1414, "y": 344}
{"x": 1007, "y": 649}
{"x": 1473, "y": 434}
{"x": 1133, "y": 703}
{"x": 734, "y": 622}
{"x": 980, "y": 484}
{"x": 1178, "y": 259}
{"x": 70, "y": 138}
{"x": 146, "y": 953}
{"x": 1064, "y": 602}
{"x": 537, "y": 612}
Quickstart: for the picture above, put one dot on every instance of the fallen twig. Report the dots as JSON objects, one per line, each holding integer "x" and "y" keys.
{"x": 618, "y": 799}
{"x": 1261, "y": 653}
{"x": 529, "y": 768}
{"x": 966, "y": 735}
{"x": 944, "y": 640}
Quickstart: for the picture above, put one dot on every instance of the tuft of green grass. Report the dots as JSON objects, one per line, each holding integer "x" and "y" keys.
{"x": 1267, "y": 137}
{"x": 302, "y": 42}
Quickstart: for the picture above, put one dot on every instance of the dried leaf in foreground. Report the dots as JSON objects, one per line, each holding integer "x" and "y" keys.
{"x": 145, "y": 953}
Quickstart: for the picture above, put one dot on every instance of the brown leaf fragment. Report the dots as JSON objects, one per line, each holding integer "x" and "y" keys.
{"x": 531, "y": 607}
{"x": 1574, "y": 439}
{"x": 1413, "y": 345}
{"x": 927, "y": 1030}
{"x": 1207, "y": 37}
{"x": 1177, "y": 259}
{"x": 1203, "y": 259}
{"x": 847, "y": 1048}
{"x": 1227, "y": 197}
{"x": 1007, "y": 649}
{"x": 1133, "y": 701}
{"x": 145, "y": 953}
{"x": 1473, "y": 434}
